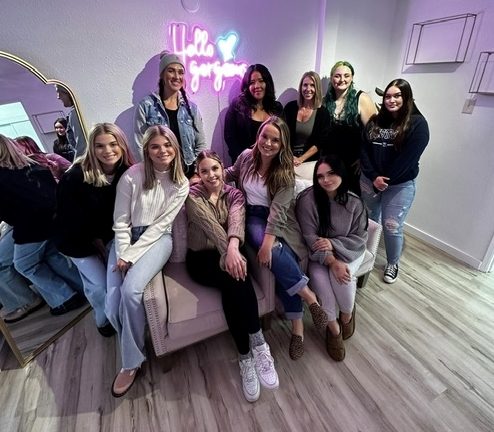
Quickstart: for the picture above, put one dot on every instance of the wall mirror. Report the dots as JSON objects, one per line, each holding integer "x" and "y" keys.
{"x": 36, "y": 107}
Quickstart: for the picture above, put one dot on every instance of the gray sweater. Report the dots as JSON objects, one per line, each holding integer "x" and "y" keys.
{"x": 349, "y": 226}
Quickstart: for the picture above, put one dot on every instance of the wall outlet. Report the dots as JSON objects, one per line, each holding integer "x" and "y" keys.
{"x": 468, "y": 106}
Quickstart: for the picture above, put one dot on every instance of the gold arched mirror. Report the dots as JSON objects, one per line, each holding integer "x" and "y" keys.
{"x": 29, "y": 106}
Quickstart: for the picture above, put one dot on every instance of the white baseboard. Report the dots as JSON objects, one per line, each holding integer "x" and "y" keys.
{"x": 445, "y": 247}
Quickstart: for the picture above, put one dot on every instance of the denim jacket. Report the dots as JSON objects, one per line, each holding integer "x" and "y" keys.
{"x": 151, "y": 111}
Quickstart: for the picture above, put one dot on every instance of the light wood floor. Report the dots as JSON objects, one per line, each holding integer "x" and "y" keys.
{"x": 422, "y": 359}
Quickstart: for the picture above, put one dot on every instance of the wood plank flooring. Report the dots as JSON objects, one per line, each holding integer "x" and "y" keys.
{"x": 422, "y": 359}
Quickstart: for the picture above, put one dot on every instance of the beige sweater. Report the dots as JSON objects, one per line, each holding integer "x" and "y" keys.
{"x": 136, "y": 207}
{"x": 212, "y": 225}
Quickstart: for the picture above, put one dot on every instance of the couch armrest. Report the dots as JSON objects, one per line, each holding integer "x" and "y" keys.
{"x": 374, "y": 235}
{"x": 156, "y": 307}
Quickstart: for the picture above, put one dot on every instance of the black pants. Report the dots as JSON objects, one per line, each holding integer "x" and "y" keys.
{"x": 238, "y": 297}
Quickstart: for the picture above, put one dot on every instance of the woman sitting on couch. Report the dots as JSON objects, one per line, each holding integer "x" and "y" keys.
{"x": 216, "y": 214}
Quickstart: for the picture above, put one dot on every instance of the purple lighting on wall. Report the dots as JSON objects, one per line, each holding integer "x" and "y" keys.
{"x": 205, "y": 59}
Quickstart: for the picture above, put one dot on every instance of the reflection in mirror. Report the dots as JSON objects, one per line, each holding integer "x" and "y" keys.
{"x": 29, "y": 106}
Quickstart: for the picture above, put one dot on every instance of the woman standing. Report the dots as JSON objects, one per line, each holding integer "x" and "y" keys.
{"x": 171, "y": 107}
{"x": 85, "y": 203}
{"x": 334, "y": 224}
{"x": 216, "y": 215}
{"x": 266, "y": 176}
{"x": 149, "y": 196}
{"x": 395, "y": 138}
{"x": 61, "y": 145}
{"x": 28, "y": 203}
{"x": 350, "y": 111}
{"x": 307, "y": 120}
{"x": 255, "y": 104}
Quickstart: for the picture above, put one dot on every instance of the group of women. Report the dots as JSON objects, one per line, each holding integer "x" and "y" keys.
{"x": 114, "y": 217}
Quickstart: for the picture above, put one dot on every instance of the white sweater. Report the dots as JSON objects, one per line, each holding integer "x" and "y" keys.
{"x": 135, "y": 207}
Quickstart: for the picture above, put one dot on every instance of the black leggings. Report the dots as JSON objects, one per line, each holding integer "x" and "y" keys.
{"x": 238, "y": 297}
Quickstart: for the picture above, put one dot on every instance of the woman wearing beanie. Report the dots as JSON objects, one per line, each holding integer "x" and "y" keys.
{"x": 170, "y": 107}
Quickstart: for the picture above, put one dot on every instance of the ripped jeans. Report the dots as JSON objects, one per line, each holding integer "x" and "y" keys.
{"x": 390, "y": 208}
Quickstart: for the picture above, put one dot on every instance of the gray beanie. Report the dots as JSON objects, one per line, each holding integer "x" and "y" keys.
{"x": 167, "y": 58}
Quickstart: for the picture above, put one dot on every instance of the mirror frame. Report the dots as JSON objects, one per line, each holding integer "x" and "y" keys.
{"x": 81, "y": 312}
{"x": 52, "y": 81}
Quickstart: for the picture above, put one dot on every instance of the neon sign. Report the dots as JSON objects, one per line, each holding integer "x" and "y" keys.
{"x": 204, "y": 59}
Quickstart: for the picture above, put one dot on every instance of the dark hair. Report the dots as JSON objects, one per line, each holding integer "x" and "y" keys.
{"x": 62, "y": 140}
{"x": 321, "y": 197}
{"x": 28, "y": 145}
{"x": 269, "y": 100}
{"x": 161, "y": 86}
{"x": 401, "y": 123}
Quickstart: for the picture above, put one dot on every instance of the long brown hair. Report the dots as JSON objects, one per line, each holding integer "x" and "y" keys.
{"x": 400, "y": 123}
{"x": 91, "y": 166}
{"x": 280, "y": 173}
{"x": 11, "y": 156}
{"x": 177, "y": 173}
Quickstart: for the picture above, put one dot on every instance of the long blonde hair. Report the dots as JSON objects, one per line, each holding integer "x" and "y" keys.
{"x": 11, "y": 156}
{"x": 91, "y": 166}
{"x": 281, "y": 172}
{"x": 177, "y": 172}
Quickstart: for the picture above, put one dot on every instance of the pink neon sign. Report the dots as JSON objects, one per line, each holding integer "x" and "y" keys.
{"x": 205, "y": 59}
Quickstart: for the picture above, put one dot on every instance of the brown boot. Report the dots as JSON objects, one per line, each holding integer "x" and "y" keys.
{"x": 334, "y": 346}
{"x": 348, "y": 329}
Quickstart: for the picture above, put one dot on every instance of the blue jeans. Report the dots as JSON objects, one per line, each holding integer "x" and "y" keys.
{"x": 284, "y": 262}
{"x": 93, "y": 274}
{"x": 124, "y": 305}
{"x": 392, "y": 207}
{"x": 56, "y": 278}
{"x": 14, "y": 288}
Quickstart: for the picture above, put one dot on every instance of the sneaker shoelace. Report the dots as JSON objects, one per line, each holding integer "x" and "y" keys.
{"x": 266, "y": 361}
{"x": 248, "y": 371}
{"x": 391, "y": 270}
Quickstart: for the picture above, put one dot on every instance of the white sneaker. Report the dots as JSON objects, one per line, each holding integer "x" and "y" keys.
{"x": 264, "y": 364}
{"x": 250, "y": 382}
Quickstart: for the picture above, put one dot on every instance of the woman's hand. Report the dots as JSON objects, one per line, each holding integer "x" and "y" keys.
{"x": 235, "y": 264}
{"x": 340, "y": 271}
{"x": 297, "y": 161}
{"x": 264, "y": 255}
{"x": 122, "y": 266}
{"x": 380, "y": 183}
{"x": 322, "y": 244}
{"x": 101, "y": 251}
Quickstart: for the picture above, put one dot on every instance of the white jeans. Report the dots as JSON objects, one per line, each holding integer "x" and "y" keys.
{"x": 332, "y": 294}
{"x": 124, "y": 306}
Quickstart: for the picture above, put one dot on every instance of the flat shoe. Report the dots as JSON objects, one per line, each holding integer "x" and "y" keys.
{"x": 296, "y": 349}
{"x": 123, "y": 382}
{"x": 334, "y": 346}
{"x": 319, "y": 317}
{"x": 348, "y": 329}
{"x": 107, "y": 330}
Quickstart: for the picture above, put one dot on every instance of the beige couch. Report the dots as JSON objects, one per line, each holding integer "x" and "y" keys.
{"x": 181, "y": 312}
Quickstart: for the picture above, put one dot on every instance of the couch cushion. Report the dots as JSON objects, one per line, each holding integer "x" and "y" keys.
{"x": 188, "y": 299}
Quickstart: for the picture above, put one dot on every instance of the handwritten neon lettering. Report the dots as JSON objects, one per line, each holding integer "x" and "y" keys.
{"x": 204, "y": 59}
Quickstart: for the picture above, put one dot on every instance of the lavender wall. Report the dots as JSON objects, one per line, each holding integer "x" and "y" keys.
{"x": 106, "y": 51}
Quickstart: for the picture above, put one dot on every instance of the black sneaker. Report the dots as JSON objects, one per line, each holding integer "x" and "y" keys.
{"x": 74, "y": 302}
{"x": 390, "y": 273}
{"x": 106, "y": 330}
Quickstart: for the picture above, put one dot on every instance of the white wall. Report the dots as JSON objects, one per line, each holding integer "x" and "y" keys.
{"x": 106, "y": 52}
{"x": 454, "y": 207}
